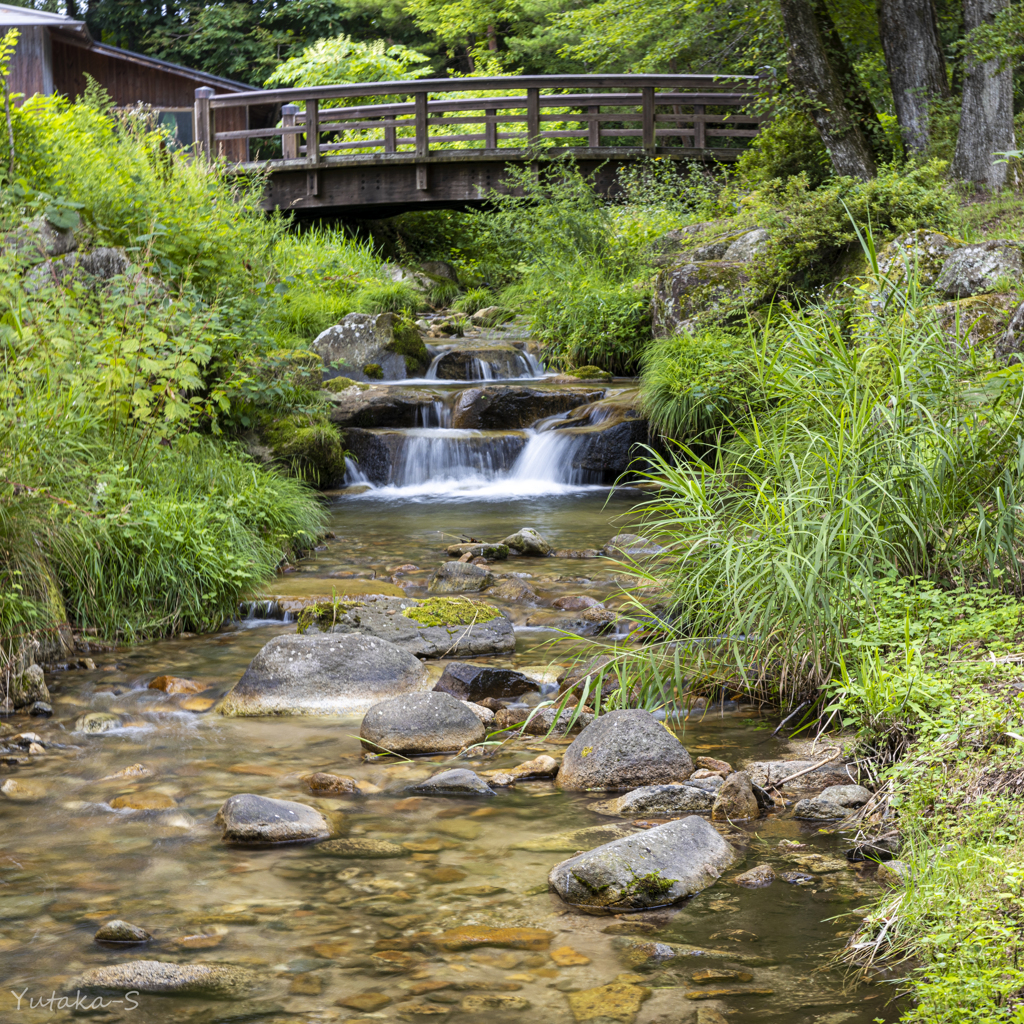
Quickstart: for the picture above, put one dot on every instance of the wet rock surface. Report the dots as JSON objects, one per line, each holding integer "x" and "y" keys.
{"x": 651, "y": 869}
{"x": 460, "y": 578}
{"x": 420, "y": 723}
{"x": 454, "y": 782}
{"x": 478, "y": 682}
{"x": 222, "y": 981}
{"x": 249, "y": 818}
{"x": 323, "y": 675}
{"x": 624, "y": 750}
{"x": 504, "y": 407}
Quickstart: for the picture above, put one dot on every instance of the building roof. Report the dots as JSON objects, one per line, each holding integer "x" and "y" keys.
{"x": 77, "y": 32}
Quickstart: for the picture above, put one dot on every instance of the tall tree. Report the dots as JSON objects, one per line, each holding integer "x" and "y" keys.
{"x": 986, "y": 110}
{"x": 818, "y": 73}
{"x": 916, "y": 67}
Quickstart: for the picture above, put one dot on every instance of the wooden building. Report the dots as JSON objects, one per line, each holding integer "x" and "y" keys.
{"x": 55, "y": 53}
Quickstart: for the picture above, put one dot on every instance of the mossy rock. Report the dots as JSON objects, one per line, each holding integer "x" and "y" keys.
{"x": 374, "y": 371}
{"x": 338, "y": 384}
{"x": 310, "y": 446}
{"x": 324, "y": 614}
{"x": 408, "y": 342}
{"x": 590, "y": 373}
{"x": 684, "y": 292}
{"x": 451, "y": 611}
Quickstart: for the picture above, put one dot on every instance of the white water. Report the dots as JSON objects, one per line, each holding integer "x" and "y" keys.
{"x": 514, "y": 366}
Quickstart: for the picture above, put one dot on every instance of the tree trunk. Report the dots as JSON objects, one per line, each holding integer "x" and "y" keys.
{"x": 815, "y": 75}
{"x": 986, "y": 109}
{"x": 917, "y": 69}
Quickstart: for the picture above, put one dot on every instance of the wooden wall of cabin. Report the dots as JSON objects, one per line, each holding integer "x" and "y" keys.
{"x": 31, "y": 68}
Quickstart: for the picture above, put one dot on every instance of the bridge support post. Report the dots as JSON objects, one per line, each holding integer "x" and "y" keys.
{"x": 290, "y": 142}
{"x": 647, "y": 119}
{"x": 532, "y": 116}
{"x": 594, "y": 128}
{"x": 699, "y": 140}
{"x": 313, "y": 131}
{"x": 422, "y": 138}
{"x": 490, "y": 128}
{"x": 203, "y": 117}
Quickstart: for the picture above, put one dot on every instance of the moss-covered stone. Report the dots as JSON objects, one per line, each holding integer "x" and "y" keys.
{"x": 309, "y": 445}
{"x": 451, "y": 611}
{"x": 323, "y": 614}
{"x": 683, "y": 292}
{"x": 338, "y": 384}
{"x": 590, "y": 373}
{"x": 374, "y": 371}
{"x": 408, "y": 342}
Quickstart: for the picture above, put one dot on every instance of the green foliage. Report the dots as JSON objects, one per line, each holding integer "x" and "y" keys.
{"x": 812, "y": 230}
{"x": 473, "y": 300}
{"x": 387, "y": 297}
{"x": 788, "y": 145}
{"x": 694, "y": 386}
{"x": 345, "y": 61}
{"x": 309, "y": 445}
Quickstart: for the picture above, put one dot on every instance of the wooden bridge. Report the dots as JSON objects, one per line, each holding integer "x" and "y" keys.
{"x": 373, "y": 150}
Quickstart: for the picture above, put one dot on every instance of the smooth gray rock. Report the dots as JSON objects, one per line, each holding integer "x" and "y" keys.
{"x": 27, "y": 688}
{"x": 846, "y": 796}
{"x": 459, "y": 578}
{"x": 631, "y": 545}
{"x": 478, "y": 682}
{"x": 651, "y": 869}
{"x": 650, "y": 801}
{"x": 325, "y": 674}
{"x": 248, "y": 818}
{"x": 420, "y": 723}
{"x": 122, "y": 933}
{"x": 219, "y": 981}
{"x": 386, "y": 618}
{"x": 624, "y": 750}
{"x": 768, "y": 774}
{"x": 527, "y": 541}
{"x": 585, "y": 622}
{"x": 709, "y": 785}
{"x": 747, "y": 247}
{"x": 361, "y": 340}
{"x": 832, "y": 802}
{"x": 974, "y": 269}
{"x": 455, "y": 782}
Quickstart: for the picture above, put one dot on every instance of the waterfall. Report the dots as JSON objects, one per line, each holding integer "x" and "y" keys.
{"x": 437, "y": 414}
{"x": 353, "y": 474}
{"x": 444, "y": 456}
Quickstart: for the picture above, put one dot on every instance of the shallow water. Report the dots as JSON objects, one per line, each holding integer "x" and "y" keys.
{"x": 310, "y": 924}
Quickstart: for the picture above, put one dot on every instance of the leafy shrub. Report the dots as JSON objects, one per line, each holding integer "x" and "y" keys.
{"x": 473, "y": 300}
{"x": 812, "y": 230}
{"x": 785, "y": 147}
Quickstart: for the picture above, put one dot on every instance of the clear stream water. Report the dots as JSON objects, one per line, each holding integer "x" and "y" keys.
{"x": 310, "y": 924}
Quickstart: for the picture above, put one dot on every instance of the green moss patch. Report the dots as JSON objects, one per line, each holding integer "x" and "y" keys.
{"x": 310, "y": 446}
{"x": 590, "y": 373}
{"x": 374, "y": 371}
{"x": 451, "y": 611}
{"x": 324, "y": 614}
{"x": 339, "y": 384}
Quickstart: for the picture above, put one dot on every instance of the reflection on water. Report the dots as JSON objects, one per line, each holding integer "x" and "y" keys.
{"x": 338, "y": 939}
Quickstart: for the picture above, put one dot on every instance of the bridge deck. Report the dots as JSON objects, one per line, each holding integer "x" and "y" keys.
{"x": 373, "y": 150}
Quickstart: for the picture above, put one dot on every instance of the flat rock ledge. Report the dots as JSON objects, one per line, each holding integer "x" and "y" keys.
{"x": 156, "y": 977}
{"x": 650, "y": 869}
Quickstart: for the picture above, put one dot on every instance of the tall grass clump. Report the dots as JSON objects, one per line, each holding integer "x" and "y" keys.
{"x": 875, "y": 448}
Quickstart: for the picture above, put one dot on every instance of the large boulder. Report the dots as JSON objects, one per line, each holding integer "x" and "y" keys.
{"x": 101, "y": 264}
{"x": 747, "y": 247}
{"x": 248, "y": 818}
{"x": 438, "y": 627}
{"x": 364, "y": 405}
{"x": 328, "y": 674}
{"x": 157, "y": 977}
{"x": 495, "y": 362}
{"x": 651, "y": 869}
{"x": 624, "y": 750}
{"x": 682, "y": 292}
{"x": 527, "y": 541}
{"x": 420, "y": 723}
{"x": 368, "y": 346}
{"x": 1011, "y": 342}
{"x": 974, "y": 269}
{"x": 478, "y": 682}
{"x": 608, "y": 438}
{"x": 505, "y": 406}
{"x": 37, "y": 239}
{"x": 459, "y": 578}
{"x": 923, "y": 252}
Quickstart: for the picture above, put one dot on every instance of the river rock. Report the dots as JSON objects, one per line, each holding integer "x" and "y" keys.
{"x": 370, "y": 347}
{"x": 505, "y": 407}
{"x": 735, "y": 799}
{"x": 218, "y": 981}
{"x": 527, "y": 541}
{"x": 363, "y": 849}
{"x": 440, "y": 627}
{"x": 846, "y": 796}
{"x": 368, "y": 405}
{"x": 454, "y": 782}
{"x": 328, "y": 674}
{"x": 624, "y": 750}
{"x": 618, "y": 1001}
{"x": 478, "y": 682}
{"x": 651, "y": 869}
{"x": 832, "y": 802}
{"x": 29, "y": 687}
{"x": 248, "y": 818}
{"x": 513, "y": 589}
{"x": 973, "y": 269}
{"x": 576, "y": 603}
{"x": 323, "y": 783}
{"x": 757, "y": 877}
{"x": 767, "y": 774}
{"x": 587, "y": 622}
{"x": 747, "y": 247}
{"x": 121, "y": 933}
{"x": 469, "y": 363}
{"x": 542, "y": 767}
{"x": 609, "y": 437}
{"x": 661, "y": 801}
{"x": 893, "y": 873}
{"x": 96, "y": 722}
{"x": 459, "y": 578}
{"x": 420, "y": 723}
{"x": 540, "y": 722}
{"x": 630, "y": 545}
{"x": 24, "y": 791}
{"x": 177, "y": 684}
{"x": 492, "y": 552}
{"x": 485, "y": 714}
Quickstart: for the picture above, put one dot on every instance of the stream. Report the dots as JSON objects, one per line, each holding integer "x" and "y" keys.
{"x": 336, "y": 939}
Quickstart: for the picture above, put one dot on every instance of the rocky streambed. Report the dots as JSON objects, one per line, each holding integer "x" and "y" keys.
{"x": 314, "y": 814}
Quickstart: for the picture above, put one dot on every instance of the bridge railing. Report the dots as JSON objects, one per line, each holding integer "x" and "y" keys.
{"x": 698, "y": 115}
